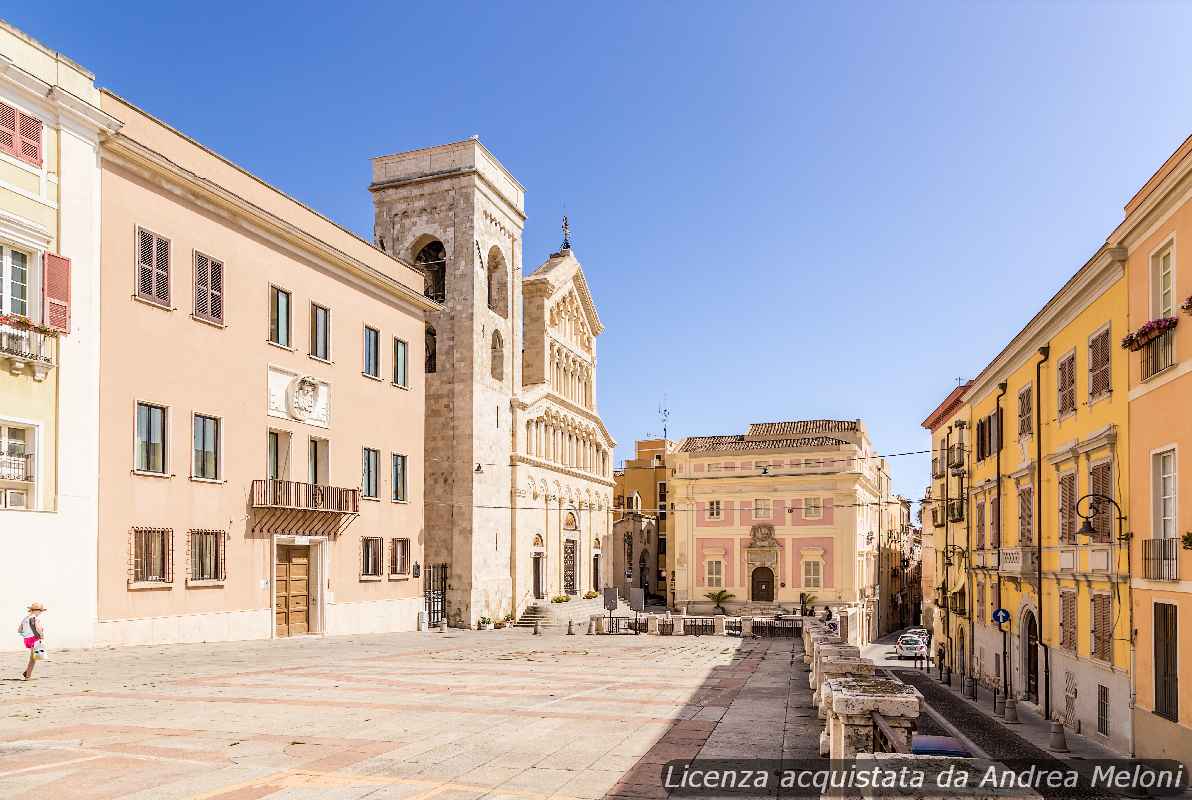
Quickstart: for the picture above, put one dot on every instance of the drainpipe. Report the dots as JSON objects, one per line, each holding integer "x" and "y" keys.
{"x": 970, "y": 679}
{"x": 947, "y": 526}
{"x": 1001, "y": 392}
{"x": 1044, "y": 354}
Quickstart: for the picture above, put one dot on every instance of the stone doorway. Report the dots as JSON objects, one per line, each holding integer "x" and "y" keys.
{"x": 762, "y": 585}
{"x": 539, "y": 583}
{"x": 1030, "y": 653}
{"x": 292, "y": 590}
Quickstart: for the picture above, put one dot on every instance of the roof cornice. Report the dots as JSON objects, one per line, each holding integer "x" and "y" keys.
{"x": 123, "y": 150}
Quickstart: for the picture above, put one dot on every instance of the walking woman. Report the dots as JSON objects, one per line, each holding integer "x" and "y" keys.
{"x": 32, "y": 632}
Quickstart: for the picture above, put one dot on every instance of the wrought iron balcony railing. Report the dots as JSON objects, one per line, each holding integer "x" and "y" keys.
{"x": 1158, "y": 354}
{"x": 956, "y": 510}
{"x": 1161, "y": 559}
{"x": 17, "y": 468}
{"x": 27, "y": 348}
{"x": 937, "y": 468}
{"x": 305, "y": 496}
{"x": 956, "y": 456}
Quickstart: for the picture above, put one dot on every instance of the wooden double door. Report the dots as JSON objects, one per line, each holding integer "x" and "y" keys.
{"x": 292, "y": 590}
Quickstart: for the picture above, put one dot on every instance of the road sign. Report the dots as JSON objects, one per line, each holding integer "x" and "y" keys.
{"x": 1001, "y": 615}
{"x": 637, "y": 599}
{"x": 610, "y": 598}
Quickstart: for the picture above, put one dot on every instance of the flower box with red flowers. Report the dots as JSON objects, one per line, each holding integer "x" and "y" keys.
{"x": 25, "y": 324}
{"x": 1149, "y": 331}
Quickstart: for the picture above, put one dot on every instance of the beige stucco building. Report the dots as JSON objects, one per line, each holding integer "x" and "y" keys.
{"x": 517, "y": 463}
{"x": 787, "y": 509}
{"x": 641, "y": 489}
{"x": 261, "y": 410}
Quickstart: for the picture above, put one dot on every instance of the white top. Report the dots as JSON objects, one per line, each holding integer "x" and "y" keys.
{"x": 26, "y": 630}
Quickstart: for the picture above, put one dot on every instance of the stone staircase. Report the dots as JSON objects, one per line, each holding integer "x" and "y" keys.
{"x": 548, "y": 614}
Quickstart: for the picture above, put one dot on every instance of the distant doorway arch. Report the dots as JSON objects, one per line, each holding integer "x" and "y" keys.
{"x": 762, "y": 585}
{"x": 1030, "y": 654}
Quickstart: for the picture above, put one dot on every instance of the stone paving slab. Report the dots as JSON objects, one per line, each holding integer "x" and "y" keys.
{"x": 457, "y": 716}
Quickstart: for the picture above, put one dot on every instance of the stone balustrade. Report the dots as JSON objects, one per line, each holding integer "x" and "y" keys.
{"x": 850, "y": 713}
{"x": 829, "y": 652}
{"x": 839, "y": 668}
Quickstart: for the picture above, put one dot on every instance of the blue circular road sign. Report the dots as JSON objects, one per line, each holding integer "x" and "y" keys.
{"x": 1001, "y": 615}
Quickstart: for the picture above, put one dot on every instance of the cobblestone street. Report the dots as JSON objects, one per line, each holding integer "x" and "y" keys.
{"x": 465, "y": 715}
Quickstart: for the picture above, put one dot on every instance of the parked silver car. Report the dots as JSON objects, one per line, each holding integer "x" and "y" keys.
{"x": 909, "y": 646}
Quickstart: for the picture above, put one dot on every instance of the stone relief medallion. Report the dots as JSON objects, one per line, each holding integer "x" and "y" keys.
{"x": 762, "y": 536}
{"x": 301, "y": 396}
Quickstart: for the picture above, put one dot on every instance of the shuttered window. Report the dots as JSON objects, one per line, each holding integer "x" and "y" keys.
{"x": 979, "y": 608}
{"x": 1099, "y": 365}
{"x": 1068, "y": 507}
{"x": 1068, "y": 620}
{"x": 980, "y": 524}
{"x": 995, "y": 523}
{"x": 153, "y": 267}
{"x": 1025, "y": 516}
{"x": 209, "y": 288}
{"x": 1066, "y": 385}
{"x": 1026, "y": 420}
{"x": 56, "y": 289}
{"x": 1100, "y": 476}
{"x": 152, "y": 555}
{"x": 20, "y": 135}
{"x": 372, "y": 556}
{"x": 1166, "y": 678}
{"x": 1102, "y": 628}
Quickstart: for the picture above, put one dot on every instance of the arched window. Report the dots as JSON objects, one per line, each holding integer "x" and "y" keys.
{"x": 498, "y": 357}
{"x": 432, "y": 260}
{"x": 498, "y": 282}
{"x": 431, "y": 348}
{"x": 637, "y": 501}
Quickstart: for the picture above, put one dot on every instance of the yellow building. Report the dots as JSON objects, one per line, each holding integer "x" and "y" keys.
{"x": 1039, "y": 432}
{"x": 640, "y": 485}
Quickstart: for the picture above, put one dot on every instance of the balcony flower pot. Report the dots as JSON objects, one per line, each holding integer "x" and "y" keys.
{"x": 1149, "y": 331}
{"x": 1186, "y": 540}
{"x": 1186, "y": 306}
{"x": 26, "y": 324}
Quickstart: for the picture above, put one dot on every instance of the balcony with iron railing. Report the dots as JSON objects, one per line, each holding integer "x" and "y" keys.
{"x": 1161, "y": 559}
{"x": 956, "y": 456}
{"x": 27, "y": 350}
{"x": 17, "y": 468}
{"x": 937, "y": 468}
{"x": 1158, "y": 354}
{"x": 296, "y": 508}
{"x": 956, "y": 510}
{"x": 937, "y": 517}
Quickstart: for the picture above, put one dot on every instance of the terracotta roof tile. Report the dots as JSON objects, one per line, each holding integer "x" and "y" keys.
{"x": 802, "y": 426}
{"x": 728, "y": 444}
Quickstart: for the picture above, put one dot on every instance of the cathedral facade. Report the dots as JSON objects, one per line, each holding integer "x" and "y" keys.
{"x": 517, "y": 462}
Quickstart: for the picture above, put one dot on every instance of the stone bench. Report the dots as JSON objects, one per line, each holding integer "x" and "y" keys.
{"x": 850, "y": 715}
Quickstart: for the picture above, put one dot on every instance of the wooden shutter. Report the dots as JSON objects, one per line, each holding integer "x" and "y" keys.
{"x": 1068, "y": 620}
{"x": 209, "y": 273}
{"x": 55, "y": 285}
{"x": 995, "y": 523}
{"x": 1099, "y": 365}
{"x": 1025, "y": 536}
{"x": 980, "y": 524}
{"x": 1067, "y": 385}
{"x": 1166, "y": 645}
{"x": 1099, "y": 483}
{"x": 8, "y": 129}
{"x": 153, "y": 267}
{"x": 1024, "y": 412}
{"x": 1068, "y": 507}
{"x": 29, "y": 136}
{"x": 1102, "y": 628}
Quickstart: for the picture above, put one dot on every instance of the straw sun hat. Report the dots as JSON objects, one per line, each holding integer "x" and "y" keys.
{"x": 37, "y": 607}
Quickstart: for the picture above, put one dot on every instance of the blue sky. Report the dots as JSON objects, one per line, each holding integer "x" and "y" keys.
{"x": 773, "y": 201}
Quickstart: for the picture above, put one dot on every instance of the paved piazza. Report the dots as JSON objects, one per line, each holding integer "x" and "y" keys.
{"x": 457, "y": 716}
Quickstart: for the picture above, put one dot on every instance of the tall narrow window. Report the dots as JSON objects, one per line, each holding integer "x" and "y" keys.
{"x": 320, "y": 332}
{"x": 1066, "y": 385}
{"x": 1025, "y": 517}
{"x": 980, "y": 524}
{"x": 207, "y": 560}
{"x": 153, "y": 267}
{"x": 714, "y": 509}
{"x": 1026, "y": 422}
{"x": 401, "y": 368}
{"x": 1068, "y": 620}
{"x": 715, "y": 574}
{"x": 1067, "y": 500}
{"x": 279, "y": 316}
{"x": 1099, "y": 365}
{"x": 317, "y": 462}
{"x": 206, "y": 447}
{"x": 151, "y": 438}
{"x": 812, "y": 574}
{"x": 14, "y": 282}
{"x": 209, "y": 288}
{"x": 277, "y": 455}
{"x": 1163, "y": 492}
{"x": 1166, "y": 628}
{"x": 1102, "y": 628}
{"x": 372, "y": 352}
{"x": 432, "y": 347}
{"x": 1101, "y": 484}
{"x": 1163, "y": 284}
{"x": 369, "y": 479}
{"x": 398, "y": 478}
{"x": 498, "y": 357}
{"x": 813, "y": 508}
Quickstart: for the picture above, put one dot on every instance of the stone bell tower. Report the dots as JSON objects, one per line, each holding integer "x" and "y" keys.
{"x": 456, "y": 214}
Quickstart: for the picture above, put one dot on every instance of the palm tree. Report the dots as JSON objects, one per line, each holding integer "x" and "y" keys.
{"x": 719, "y": 597}
{"x": 805, "y": 599}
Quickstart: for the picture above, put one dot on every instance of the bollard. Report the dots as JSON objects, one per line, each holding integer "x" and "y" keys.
{"x": 591, "y": 627}
{"x": 442, "y": 626}
{"x": 537, "y": 628}
{"x": 999, "y": 703}
{"x": 570, "y": 627}
{"x": 1057, "y": 742}
{"x": 970, "y": 688}
{"x": 1011, "y": 711}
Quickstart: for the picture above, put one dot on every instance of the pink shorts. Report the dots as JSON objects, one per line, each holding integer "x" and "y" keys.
{"x": 30, "y": 641}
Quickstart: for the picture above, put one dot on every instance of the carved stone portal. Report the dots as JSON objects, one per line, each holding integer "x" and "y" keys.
{"x": 763, "y": 548}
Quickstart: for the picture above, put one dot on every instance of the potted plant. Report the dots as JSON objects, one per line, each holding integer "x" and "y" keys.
{"x": 484, "y": 624}
{"x": 1187, "y": 540}
{"x": 591, "y": 595}
{"x": 1186, "y": 306}
{"x": 719, "y": 597}
{"x": 561, "y": 598}
{"x": 1136, "y": 340}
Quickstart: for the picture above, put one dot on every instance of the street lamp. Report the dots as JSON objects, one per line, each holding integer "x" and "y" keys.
{"x": 1094, "y": 508}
